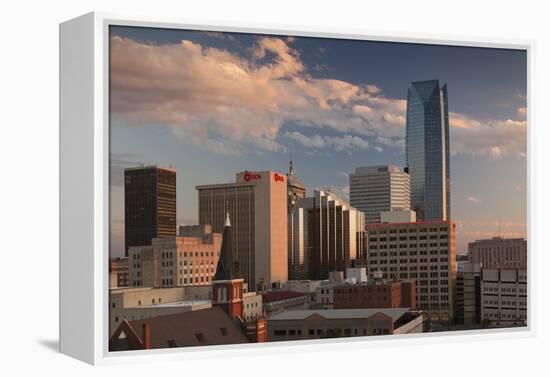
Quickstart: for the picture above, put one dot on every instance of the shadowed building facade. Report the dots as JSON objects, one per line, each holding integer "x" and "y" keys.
{"x": 427, "y": 150}
{"x": 149, "y": 205}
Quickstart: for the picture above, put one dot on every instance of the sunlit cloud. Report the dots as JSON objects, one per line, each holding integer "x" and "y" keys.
{"x": 234, "y": 104}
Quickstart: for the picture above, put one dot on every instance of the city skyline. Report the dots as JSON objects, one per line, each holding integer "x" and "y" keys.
{"x": 245, "y": 101}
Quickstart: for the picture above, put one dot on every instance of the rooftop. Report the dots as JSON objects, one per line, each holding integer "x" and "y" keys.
{"x": 394, "y": 313}
{"x": 178, "y": 304}
{"x": 280, "y": 295}
{"x": 194, "y": 328}
{"x": 149, "y": 167}
{"x": 419, "y": 223}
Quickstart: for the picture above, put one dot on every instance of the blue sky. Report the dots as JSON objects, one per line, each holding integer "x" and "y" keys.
{"x": 213, "y": 104}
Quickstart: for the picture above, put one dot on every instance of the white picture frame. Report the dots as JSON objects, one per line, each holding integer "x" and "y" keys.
{"x": 84, "y": 190}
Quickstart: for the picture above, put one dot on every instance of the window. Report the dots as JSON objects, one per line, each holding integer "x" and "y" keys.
{"x": 279, "y": 332}
{"x": 223, "y": 331}
{"x": 172, "y": 343}
{"x": 200, "y": 337}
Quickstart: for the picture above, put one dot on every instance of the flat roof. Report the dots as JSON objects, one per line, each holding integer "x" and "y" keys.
{"x": 146, "y": 167}
{"x": 419, "y": 223}
{"x": 394, "y": 313}
{"x": 223, "y": 185}
{"x": 177, "y": 304}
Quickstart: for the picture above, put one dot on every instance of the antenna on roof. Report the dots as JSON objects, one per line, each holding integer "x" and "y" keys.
{"x": 499, "y": 234}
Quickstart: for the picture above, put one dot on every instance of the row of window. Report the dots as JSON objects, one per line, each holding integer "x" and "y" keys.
{"x": 421, "y": 230}
{"x": 410, "y": 238}
{"x": 374, "y": 254}
{"x": 405, "y": 246}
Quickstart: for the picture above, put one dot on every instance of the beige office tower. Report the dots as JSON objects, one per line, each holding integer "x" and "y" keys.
{"x": 423, "y": 251}
{"x": 257, "y": 205}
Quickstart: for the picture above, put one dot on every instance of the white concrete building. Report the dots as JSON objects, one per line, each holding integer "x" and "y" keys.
{"x": 504, "y": 297}
{"x": 398, "y": 216}
{"x": 375, "y": 189}
{"x": 356, "y": 275}
{"x": 499, "y": 252}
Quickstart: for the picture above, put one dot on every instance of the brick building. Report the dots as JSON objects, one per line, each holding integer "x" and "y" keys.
{"x": 381, "y": 294}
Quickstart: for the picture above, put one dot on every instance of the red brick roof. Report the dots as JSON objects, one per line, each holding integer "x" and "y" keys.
{"x": 280, "y": 295}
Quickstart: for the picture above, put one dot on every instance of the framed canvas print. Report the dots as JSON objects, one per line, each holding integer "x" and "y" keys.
{"x": 226, "y": 187}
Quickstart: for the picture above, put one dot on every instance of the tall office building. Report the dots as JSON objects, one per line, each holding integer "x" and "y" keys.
{"x": 427, "y": 150}
{"x": 257, "y": 205}
{"x": 329, "y": 233}
{"x": 424, "y": 251}
{"x": 149, "y": 205}
{"x": 296, "y": 257}
{"x": 374, "y": 189}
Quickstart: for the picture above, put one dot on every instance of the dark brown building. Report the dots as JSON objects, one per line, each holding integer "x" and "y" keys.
{"x": 381, "y": 294}
{"x": 149, "y": 204}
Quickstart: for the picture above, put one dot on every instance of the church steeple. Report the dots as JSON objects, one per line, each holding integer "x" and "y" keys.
{"x": 226, "y": 268}
{"x": 227, "y": 288}
{"x": 290, "y": 168}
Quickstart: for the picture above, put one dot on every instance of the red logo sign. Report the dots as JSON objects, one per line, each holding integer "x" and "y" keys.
{"x": 278, "y": 178}
{"x": 248, "y": 176}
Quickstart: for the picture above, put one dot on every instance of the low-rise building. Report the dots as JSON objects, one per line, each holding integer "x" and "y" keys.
{"x": 118, "y": 272}
{"x": 335, "y": 323}
{"x": 142, "y": 303}
{"x": 503, "y": 297}
{"x": 180, "y": 261}
{"x": 378, "y": 294}
{"x": 225, "y": 322}
{"x": 276, "y": 301}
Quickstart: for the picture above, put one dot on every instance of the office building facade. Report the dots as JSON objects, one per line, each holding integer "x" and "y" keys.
{"x": 177, "y": 261}
{"x": 499, "y": 253}
{"x": 330, "y": 233}
{"x": 374, "y": 189}
{"x": 423, "y": 251}
{"x": 257, "y": 204}
{"x": 427, "y": 150}
{"x": 149, "y": 205}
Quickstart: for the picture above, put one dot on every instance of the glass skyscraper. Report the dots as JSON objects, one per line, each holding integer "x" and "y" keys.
{"x": 427, "y": 150}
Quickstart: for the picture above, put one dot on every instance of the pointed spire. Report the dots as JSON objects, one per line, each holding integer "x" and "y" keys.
{"x": 290, "y": 168}
{"x": 226, "y": 268}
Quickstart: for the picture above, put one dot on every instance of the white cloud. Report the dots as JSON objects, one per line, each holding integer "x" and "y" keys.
{"x": 473, "y": 199}
{"x": 493, "y": 138}
{"x": 232, "y": 104}
{"x": 345, "y": 143}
